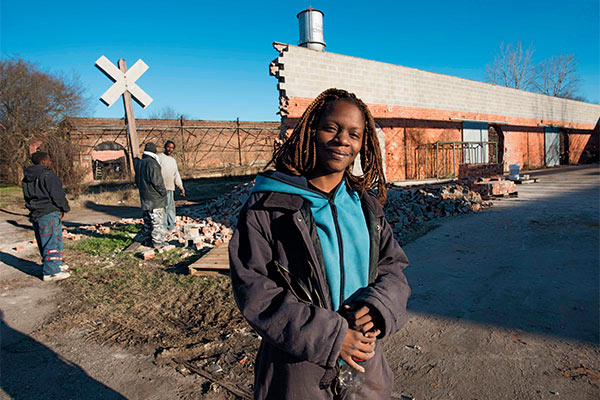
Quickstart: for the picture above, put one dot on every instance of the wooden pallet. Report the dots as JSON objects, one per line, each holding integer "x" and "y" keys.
{"x": 137, "y": 242}
{"x": 216, "y": 260}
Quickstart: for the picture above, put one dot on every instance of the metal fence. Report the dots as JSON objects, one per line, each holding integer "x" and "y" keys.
{"x": 441, "y": 160}
{"x": 200, "y": 150}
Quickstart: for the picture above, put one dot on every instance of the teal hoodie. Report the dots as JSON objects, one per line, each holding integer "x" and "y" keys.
{"x": 344, "y": 219}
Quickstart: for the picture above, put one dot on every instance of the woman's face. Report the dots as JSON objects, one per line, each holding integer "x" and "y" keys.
{"x": 339, "y": 137}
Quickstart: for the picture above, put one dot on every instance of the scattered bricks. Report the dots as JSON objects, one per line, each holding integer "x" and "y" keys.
{"x": 104, "y": 229}
{"x": 64, "y": 232}
{"x": 407, "y": 206}
{"x": 166, "y": 248}
{"x": 148, "y": 254}
{"x": 495, "y": 188}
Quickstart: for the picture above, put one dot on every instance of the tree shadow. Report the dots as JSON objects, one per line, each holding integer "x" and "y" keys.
{"x": 30, "y": 370}
{"x": 25, "y": 266}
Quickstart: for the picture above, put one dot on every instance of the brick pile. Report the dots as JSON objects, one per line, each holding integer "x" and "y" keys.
{"x": 407, "y": 207}
{"x": 212, "y": 223}
{"x": 189, "y": 231}
{"x": 226, "y": 208}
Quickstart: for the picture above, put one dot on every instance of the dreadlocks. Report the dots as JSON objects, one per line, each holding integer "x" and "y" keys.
{"x": 297, "y": 155}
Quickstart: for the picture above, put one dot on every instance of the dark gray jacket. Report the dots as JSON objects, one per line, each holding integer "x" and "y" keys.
{"x": 280, "y": 286}
{"x": 149, "y": 181}
{"x": 43, "y": 192}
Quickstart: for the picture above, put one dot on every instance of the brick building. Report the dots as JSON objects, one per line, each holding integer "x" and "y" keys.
{"x": 203, "y": 148}
{"x": 434, "y": 125}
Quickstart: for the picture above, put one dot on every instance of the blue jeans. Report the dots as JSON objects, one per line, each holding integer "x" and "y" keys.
{"x": 170, "y": 219}
{"x": 50, "y": 241}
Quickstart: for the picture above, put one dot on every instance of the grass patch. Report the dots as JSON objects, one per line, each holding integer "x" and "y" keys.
{"x": 11, "y": 195}
{"x": 116, "y": 241}
{"x": 131, "y": 228}
{"x": 136, "y": 302}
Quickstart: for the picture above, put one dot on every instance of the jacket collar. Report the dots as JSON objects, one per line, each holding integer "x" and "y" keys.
{"x": 370, "y": 200}
{"x": 293, "y": 202}
{"x": 150, "y": 154}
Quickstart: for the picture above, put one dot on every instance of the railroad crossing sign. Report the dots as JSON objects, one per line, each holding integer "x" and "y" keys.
{"x": 123, "y": 81}
{"x": 124, "y": 84}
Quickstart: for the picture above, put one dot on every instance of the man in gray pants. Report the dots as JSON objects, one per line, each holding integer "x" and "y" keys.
{"x": 153, "y": 196}
{"x": 171, "y": 177}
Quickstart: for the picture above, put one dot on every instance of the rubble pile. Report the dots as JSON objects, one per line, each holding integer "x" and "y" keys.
{"x": 193, "y": 232}
{"x": 212, "y": 223}
{"x": 408, "y": 206}
{"x": 200, "y": 233}
{"x": 226, "y": 208}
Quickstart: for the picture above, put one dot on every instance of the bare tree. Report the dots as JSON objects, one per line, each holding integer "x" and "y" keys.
{"x": 166, "y": 113}
{"x": 32, "y": 104}
{"x": 557, "y": 76}
{"x": 512, "y": 67}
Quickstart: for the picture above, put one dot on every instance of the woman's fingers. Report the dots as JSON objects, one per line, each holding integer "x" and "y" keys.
{"x": 373, "y": 333}
{"x": 366, "y": 327}
{"x": 348, "y": 360}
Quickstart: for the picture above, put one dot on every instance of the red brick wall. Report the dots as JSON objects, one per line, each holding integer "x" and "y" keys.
{"x": 405, "y": 128}
{"x": 202, "y": 147}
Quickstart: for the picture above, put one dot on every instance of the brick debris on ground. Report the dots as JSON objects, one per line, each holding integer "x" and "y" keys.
{"x": 212, "y": 223}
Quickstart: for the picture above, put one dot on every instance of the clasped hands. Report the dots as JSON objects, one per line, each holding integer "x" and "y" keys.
{"x": 363, "y": 329}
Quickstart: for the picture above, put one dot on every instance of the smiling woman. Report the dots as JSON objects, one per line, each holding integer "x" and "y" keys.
{"x": 338, "y": 141}
{"x": 315, "y": 268}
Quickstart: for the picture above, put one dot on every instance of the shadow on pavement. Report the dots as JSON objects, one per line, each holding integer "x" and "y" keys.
{"x": 13, "y": 213}
{"x": 117, "y": 211}
{"x": 30, "y": 370}
{"x": 531, "y": 266}
{"x": 25, "y": 266}
{"x": 18, "y": 225}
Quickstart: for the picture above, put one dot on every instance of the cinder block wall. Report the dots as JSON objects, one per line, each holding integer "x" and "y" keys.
{"x": 415, "y": 107}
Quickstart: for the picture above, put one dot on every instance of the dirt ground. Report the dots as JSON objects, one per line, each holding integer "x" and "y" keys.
{"x": 505, "y": 305}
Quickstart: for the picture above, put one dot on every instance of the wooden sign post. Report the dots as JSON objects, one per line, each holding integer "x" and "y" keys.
{"x": 124, "y": 84}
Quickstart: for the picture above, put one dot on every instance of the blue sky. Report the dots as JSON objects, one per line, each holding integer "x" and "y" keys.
{"x": 209, "y": 60}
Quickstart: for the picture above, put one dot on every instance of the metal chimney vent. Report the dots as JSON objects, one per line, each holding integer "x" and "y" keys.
{"x": 311, "y": 29}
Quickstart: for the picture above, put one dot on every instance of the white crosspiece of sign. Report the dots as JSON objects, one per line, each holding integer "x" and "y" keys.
{"x": 123, "y": 81}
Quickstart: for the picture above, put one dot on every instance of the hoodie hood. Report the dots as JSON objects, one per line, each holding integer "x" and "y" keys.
{"x": 34, "y": 172}
{"x": 341, "y": 227}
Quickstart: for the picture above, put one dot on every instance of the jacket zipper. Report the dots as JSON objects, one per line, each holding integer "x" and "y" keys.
{"x": 300, "y": 284}
{"x": 340, "y": 249}
{"x": 312, "y": 275}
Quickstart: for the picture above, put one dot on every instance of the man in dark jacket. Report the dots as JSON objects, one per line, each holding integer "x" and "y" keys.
{"x": 153, "y": 196}
{"x": 45, "y": 199}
